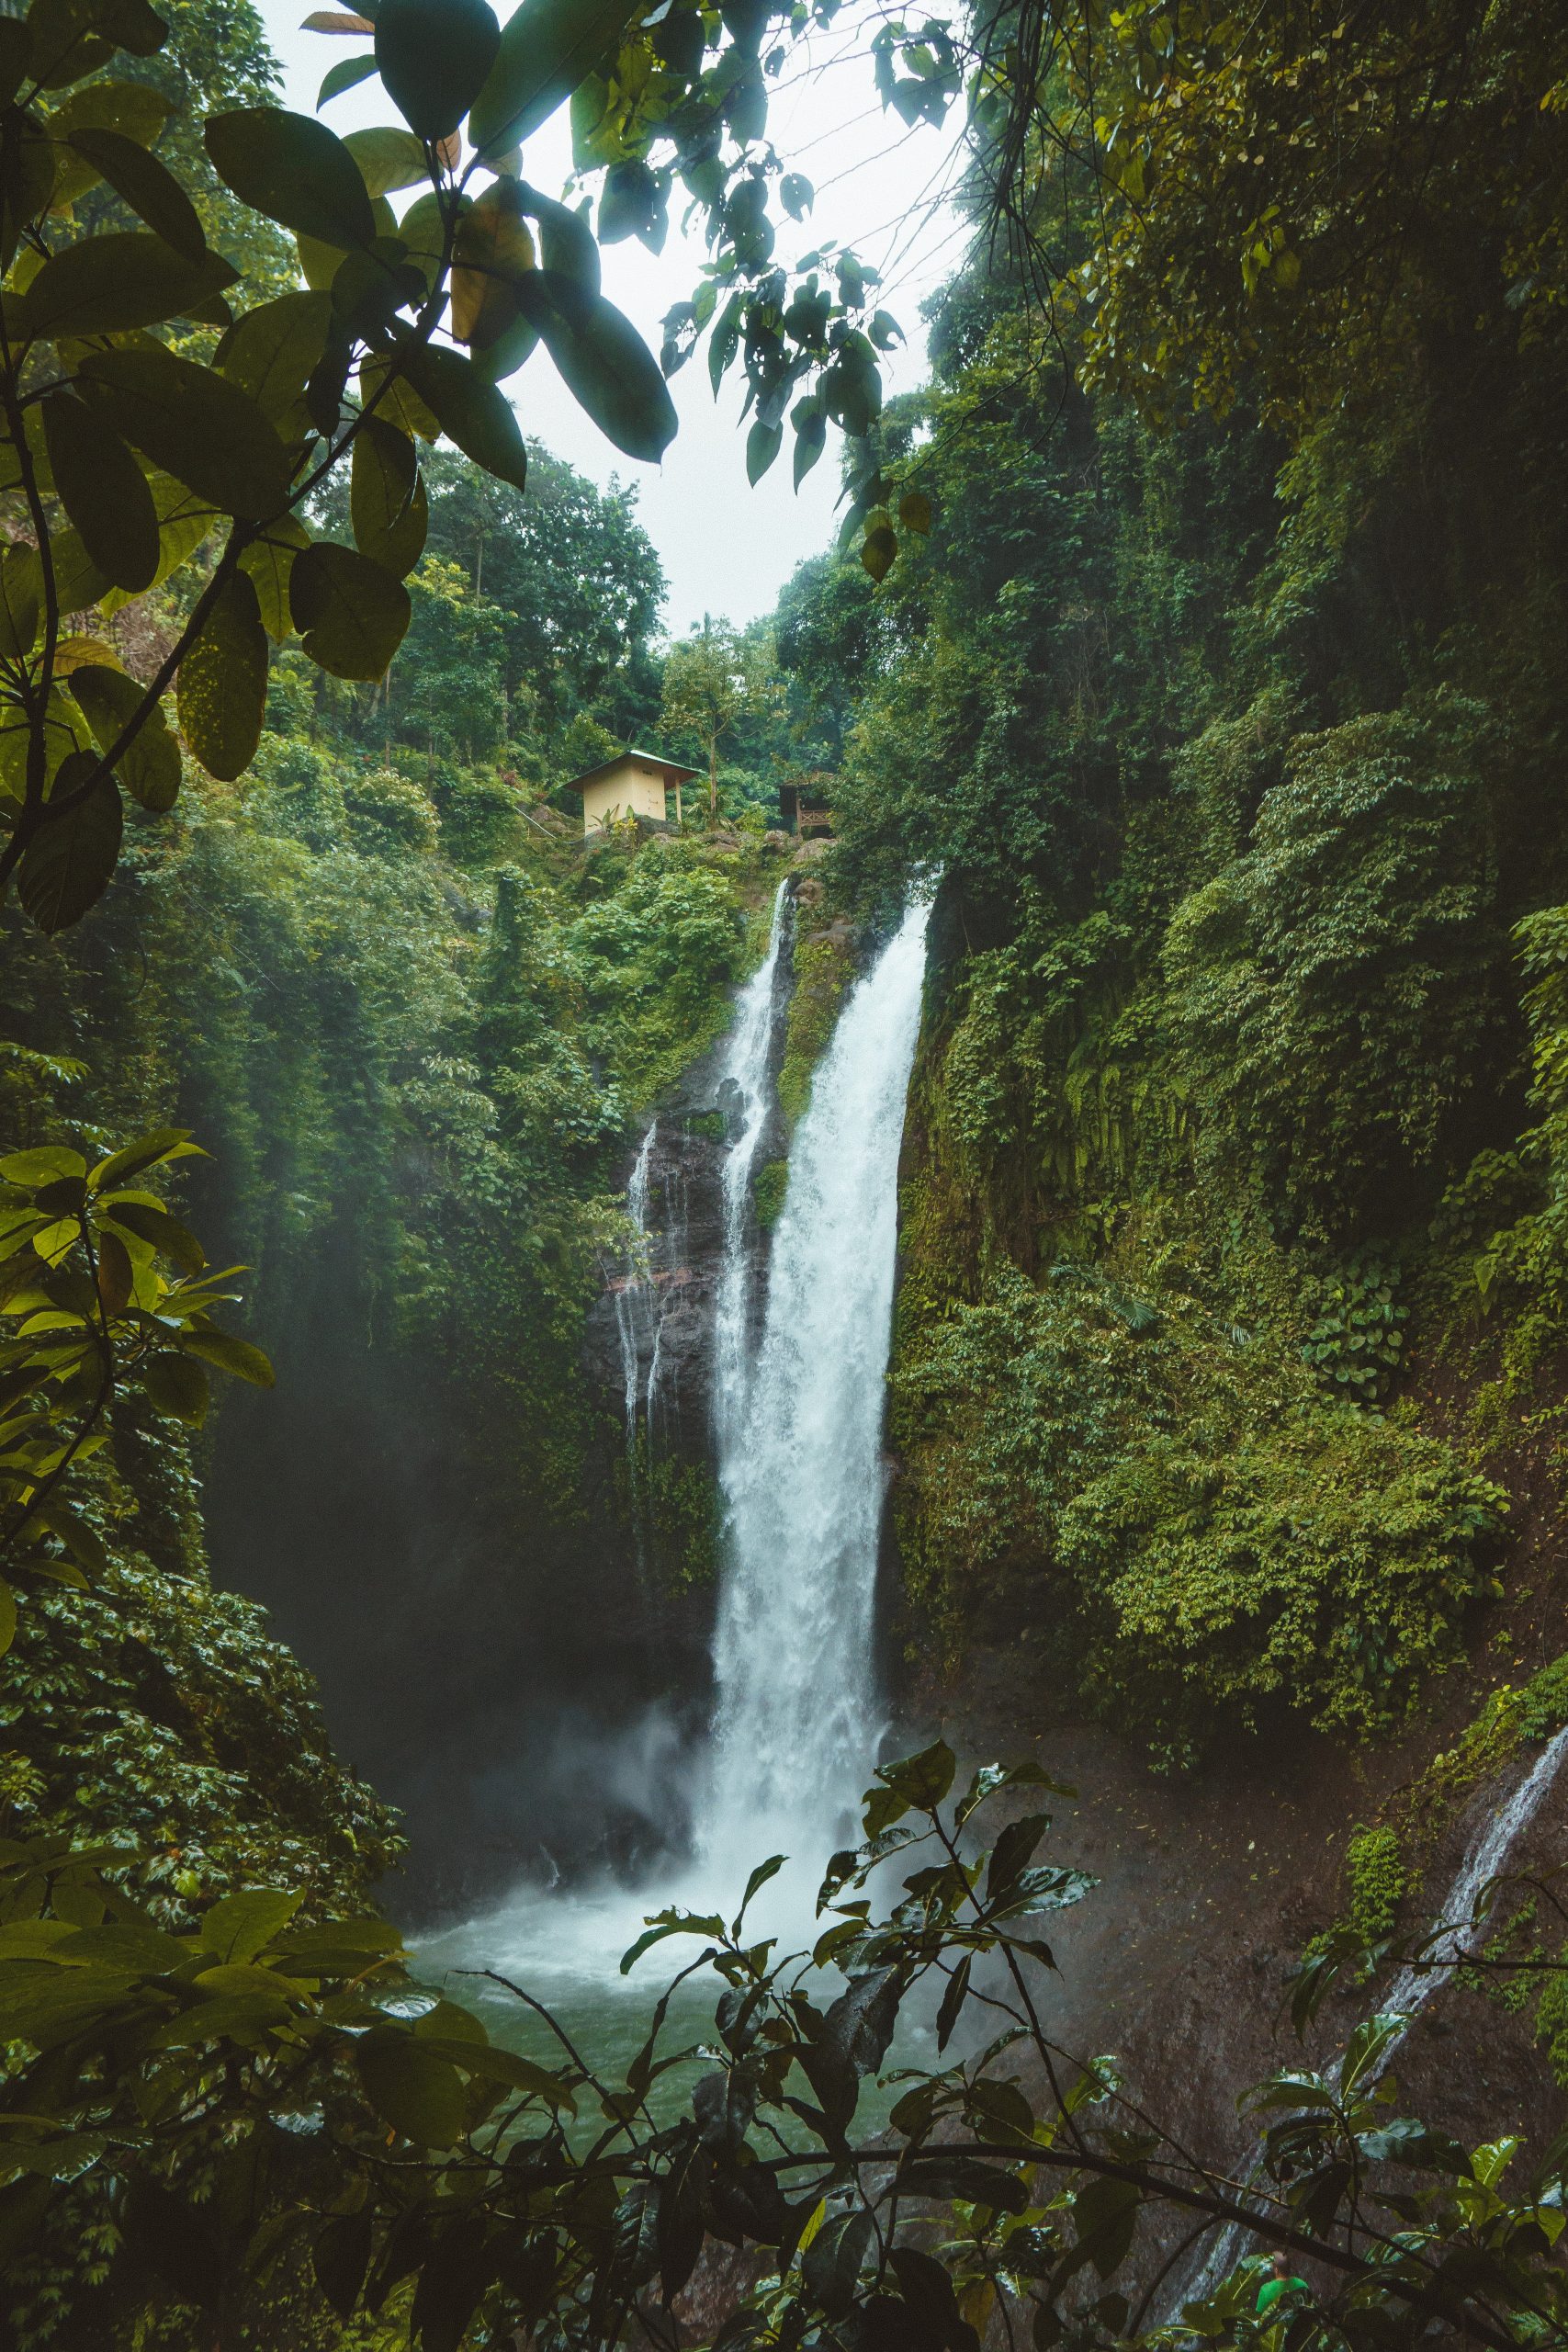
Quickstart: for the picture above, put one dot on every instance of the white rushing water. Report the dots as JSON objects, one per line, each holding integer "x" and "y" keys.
{"x": 1449, "y": 1940}
{"x": 637, "y": 1319}
{"x": 1453, "y": 1935}
{"x": 743, "y": 1092}
{"x": 800, "y": 1465}
{"x": 798, "y": 1429}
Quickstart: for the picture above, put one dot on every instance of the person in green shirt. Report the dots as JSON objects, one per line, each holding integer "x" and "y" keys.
{"x": 1280, "y": 2282}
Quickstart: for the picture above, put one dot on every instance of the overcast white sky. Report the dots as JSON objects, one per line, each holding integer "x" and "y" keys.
{"x": 725, "y": 548}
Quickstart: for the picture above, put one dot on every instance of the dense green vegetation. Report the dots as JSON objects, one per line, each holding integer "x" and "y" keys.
{"x": 1234, "y": 735}
{"x": 1197, "y": 636}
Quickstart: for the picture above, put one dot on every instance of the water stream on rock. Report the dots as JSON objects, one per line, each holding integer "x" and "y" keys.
{"x": 1453, "y": 1935}
{"x": 798, "y": 1431}
{"x": 638, "y": 1317}
{"x": 745, "y": 1095}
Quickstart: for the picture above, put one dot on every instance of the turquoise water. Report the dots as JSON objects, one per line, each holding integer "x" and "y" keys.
{"x": 564, "y": 1950}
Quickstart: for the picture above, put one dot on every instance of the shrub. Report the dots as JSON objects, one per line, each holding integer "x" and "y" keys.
{"x": 388, "y": 811}
{"x": 1351, "y": 960}
{"x": 1225, "y": 1542}
{"x": 823, "y": 971}
{"x": 1377, "y": 1880}
{"x": 768, "y": 1188}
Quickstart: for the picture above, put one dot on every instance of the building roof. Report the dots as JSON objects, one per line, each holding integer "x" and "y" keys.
{"x": 672, "y": 770}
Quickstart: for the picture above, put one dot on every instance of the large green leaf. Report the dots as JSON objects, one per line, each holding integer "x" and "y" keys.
{"x": 103, "y": 489}
{"x": 183, "y": 522}
{"x": 547, "y": 49}
{"x": 79, "y": 581}
{"x": 343, "y": 76}
{"x": 506, "y": 2067}
{"x": 433, "y": 56}
{"x": 150, "y": 769}
{"x": 67, "y": 864}
{"x": 469, "y": 412}
{"x": 273, "y": 351}
{"x": 27, "y": 181}
{"x": 238, "y": 1356}
{"x": 70, "y": 39}
{"x": 222, "y": 683}
{"x": 391, "y": 396}
{"x": 503, "y": 357}
{"x": 159, "y": 1230}
{"x": 268, "y": 564}
{"x": 132, "y": 109}
{"x": 415, "y": 2090}
{"x": 240, "y": 1926}
{"x": 388, "y": 158}
{"x": 151, "y": 1151}
{"x": 339, "y": 2258}
{"x": 386, "y": 500}
{"x": 197, "y": 427}
{"x": 22, "y": 595}
{"x": 567, "y": 244}
{"x": 107, "y": 284}
{"x": 351, "y": 614}
{"x": 604, "y": 364}
{"x": 16, "y": 47}
{"x": 423, "y": 229}
{"x": 294, "y": 170}
{"x": 320, "y": 258}
{"x": 490, "y": 252}
{"x": 176, "y": 1387}
{"x": 147, "y": 185}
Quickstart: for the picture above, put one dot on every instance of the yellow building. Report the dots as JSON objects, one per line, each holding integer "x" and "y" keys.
{"x": 633, "y": 784}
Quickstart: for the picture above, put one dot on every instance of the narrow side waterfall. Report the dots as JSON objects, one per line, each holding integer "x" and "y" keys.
{"x": 1485, "y": 1859}
{"x": 1413, "y": 1988}
{"x": 637, "y": 1319}
{"x": 800, "y": 1448}
{"x": 743, "y": 1095}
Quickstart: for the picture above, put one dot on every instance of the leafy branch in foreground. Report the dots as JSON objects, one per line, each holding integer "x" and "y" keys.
{"x": 155, "y": 437}
{"x": 87, "y": 1309}
{"x": 281, "y": 2111}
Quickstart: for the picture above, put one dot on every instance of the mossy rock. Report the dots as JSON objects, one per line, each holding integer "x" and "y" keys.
{"x": 768, "y": 1189}
{"x": 824, "y": 968}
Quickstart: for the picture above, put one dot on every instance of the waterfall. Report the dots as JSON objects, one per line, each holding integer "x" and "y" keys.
{"x": 1450, "y": 1940}
{"x": 799, "y": 1432}
{"x": 744, "y": 1095}
{"x": 639, "y": 1315}
{"x": 1413, "y": 1988}
{"x": 800, "y": 1442}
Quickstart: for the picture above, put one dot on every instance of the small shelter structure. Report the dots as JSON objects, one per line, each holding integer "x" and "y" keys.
{"x": 803, "y": 805}
{"x": 635, "y": 783}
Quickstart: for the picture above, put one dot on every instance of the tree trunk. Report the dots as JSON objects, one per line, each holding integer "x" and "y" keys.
{"x": 713, "y": 778}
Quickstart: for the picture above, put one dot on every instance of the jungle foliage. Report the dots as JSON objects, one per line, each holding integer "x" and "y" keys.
{"x": 284, "y": 2135}
{"x": 1227, "y": 700}
{"x": 1223, "y": 692}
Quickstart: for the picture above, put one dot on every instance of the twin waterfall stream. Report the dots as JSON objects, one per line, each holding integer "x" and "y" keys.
{"x": 797, "y": 1435}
